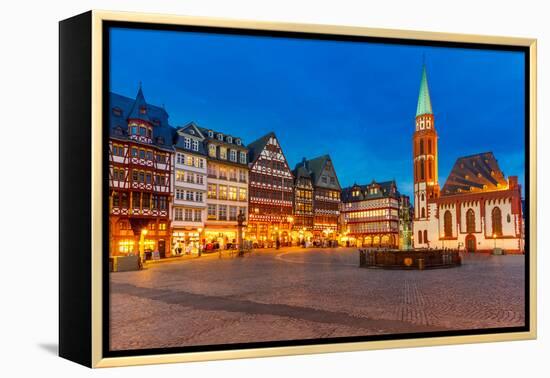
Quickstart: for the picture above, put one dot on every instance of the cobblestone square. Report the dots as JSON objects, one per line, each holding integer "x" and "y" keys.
{"x": 298, "y": 293}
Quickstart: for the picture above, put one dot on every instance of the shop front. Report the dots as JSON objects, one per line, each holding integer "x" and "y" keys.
{"x": 265, "y": 235}
{"x": 186, "y": 241}
{"x": 220, "y": 239}
{"x": 302, "y": 237}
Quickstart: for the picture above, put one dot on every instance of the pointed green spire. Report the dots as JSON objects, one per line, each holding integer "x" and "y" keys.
{"x": 424, "y": 102}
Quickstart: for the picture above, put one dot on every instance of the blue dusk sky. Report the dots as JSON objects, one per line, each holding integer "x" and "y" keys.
{"x": 353, "y": 100}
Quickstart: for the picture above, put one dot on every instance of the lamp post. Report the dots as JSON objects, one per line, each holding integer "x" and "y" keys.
{"x": 240, "y": 220}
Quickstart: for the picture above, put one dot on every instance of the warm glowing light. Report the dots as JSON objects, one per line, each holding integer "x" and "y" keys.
{"x": 144, "y": 231}
{"x": 494, "y": 236}
{"x": 199, "y": 230}
{"x": 290, "y": 219}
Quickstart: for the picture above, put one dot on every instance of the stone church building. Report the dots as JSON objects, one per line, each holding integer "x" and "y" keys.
{"x": 478, "y": 209}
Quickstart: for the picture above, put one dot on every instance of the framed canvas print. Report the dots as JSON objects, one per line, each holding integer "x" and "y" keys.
{"x": 234, "y": 189}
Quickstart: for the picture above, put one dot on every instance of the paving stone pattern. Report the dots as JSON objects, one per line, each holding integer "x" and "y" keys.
{"x": 307, "y": 293}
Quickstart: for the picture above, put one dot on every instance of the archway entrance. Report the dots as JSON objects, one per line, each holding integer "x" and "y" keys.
{"x": 470, "y": 243}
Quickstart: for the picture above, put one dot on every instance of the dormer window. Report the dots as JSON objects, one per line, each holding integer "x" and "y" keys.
{"x": 117, "y": 111}
{"x": 118, "y": 130}
{"x": 195, "y": 145}
{"x": 223, "y": 153}
{"x": 210, "y": 134}
{"x": 212, "y": 150}
{"x": 142, "y": 131}
{"x": 220, "y": 137}
{"x": 187, "y": 143}
{"x": 143, "y": 110}
{"x": 133, "y": 130}
{"x": 229, "y": 139}
{"x": 238, "y": 141}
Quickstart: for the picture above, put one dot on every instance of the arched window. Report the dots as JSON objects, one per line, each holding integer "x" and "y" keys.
{"x": 422, "y": 196}
{"x": 419, "y": 237}
{"x": 429, "y": 146}
{"x": 425, "y": 236}
{"x": 496, "y": 220}
{"x": 421, "y": 169}
{"x": 421, "y": 146}
{"x": 429, "y": 169}
{"x": 470, "y": 221}
{"x": 423, "y": 213}
{"x": 448, "y": 224}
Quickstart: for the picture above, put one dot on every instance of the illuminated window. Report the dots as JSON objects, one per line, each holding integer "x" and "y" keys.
{"x": 212, "y": 191}
{"x": 496, "y": 219}
{"x": 242, "y": 194}
{"x": 222, "y": 192}
{"x": 212, "y": 150}
{"x": 232, "y": 193}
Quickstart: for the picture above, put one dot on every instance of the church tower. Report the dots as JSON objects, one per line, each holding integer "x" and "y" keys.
{"x": 426, "y": 185}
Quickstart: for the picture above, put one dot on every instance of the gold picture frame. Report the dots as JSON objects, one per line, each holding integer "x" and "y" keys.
{"x": 93, "y": 23}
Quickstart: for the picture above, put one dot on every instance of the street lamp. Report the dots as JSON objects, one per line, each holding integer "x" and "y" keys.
{"x": 240, "y": 221}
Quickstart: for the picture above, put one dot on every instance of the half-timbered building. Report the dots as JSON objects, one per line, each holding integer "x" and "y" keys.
{"x": 371, "y": 214}
{"x": 303, "y": 203}
{"x": 271, "y": 193}
{"x": 326, "y": 197}
{"x": 140, "y": 165}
